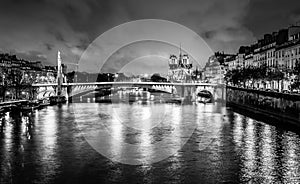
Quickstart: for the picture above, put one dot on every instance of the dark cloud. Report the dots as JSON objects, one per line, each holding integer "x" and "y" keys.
{"x": 59, "y": 37}
{"x": 49, "y": 46}
{"x": 268, "y": 15}
{"x": 31, "y": 56}
{"x": 44, "y": 26}
{"x": 148, "y": 50}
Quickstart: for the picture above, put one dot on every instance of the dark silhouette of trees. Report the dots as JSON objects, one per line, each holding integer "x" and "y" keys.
{"x": 157, "y": 78}
{"x": 121, "y": 77}
{"x": 105, "y": 77}
{"x": 296, "y": 83}
{"x": 11, "y": 79}
{"x": 71, "y": 77}
{"x": 241, "y": 76}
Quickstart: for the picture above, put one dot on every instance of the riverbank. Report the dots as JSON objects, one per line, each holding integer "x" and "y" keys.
{"x": 21, "y": 105}
{"x": 279, "y": 120}
{"x": 283, "y": 108}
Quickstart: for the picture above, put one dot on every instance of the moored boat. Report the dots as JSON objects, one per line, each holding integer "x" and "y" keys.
{"x": 204, "y": 100}
{"x": 204, "y": 97}
{"x": 32, "y": 105}
{"x": 57, "y": 100}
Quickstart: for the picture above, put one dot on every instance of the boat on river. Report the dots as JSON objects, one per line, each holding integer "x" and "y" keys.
{"x": 44, "y": 103}
{"x": 204, "y": 100}
{"x": 30, "y": 106}
{"x": 174, "y": 100}
{"x": 54, "y": 100}
{"x": 204, "y": 97}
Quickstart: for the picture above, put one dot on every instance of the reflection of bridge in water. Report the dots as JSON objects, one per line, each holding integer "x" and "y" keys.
{"x": 187, "y": 91}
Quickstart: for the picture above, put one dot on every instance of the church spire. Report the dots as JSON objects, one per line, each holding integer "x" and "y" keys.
{"x": 180, "y": 54}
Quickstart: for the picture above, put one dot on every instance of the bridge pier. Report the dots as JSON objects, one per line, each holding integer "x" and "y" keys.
{"x": 187, "y": 93}
{"x": 68, "y": 93}
{"x": 33, "y": 93}
{"x": 194, "y": 95}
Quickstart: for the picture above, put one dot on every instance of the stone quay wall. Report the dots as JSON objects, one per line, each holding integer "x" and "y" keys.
{"x": 282, "y": 106}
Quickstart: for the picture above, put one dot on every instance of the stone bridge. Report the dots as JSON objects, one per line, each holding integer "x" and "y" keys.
{"x": 184, "y": 90}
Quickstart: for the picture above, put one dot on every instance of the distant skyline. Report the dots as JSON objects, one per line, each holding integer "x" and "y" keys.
{"x": 35, "y": 30}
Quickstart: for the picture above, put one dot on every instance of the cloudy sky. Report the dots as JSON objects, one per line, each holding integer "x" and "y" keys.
{"x": 36, "y": 29}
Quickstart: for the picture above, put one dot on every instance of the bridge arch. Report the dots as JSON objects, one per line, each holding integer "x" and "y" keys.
{"x": 205, "y": 96}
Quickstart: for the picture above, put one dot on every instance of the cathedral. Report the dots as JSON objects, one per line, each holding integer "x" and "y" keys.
{"x": 180, "y": 69}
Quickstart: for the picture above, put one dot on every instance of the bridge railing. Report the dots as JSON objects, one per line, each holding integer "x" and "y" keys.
{"x": 127, "y": 83}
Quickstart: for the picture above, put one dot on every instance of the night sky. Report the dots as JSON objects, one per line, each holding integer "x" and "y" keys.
{"x": 36, "y": 29}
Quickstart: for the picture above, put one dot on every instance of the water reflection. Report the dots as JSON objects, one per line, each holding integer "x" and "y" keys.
{"x": 134, "y": 137}
{"x": 48, "y": 135}
{"x": 268, "y": 155}
{"x": 291, "y": 158}
{"x": 249, "y": 154}
{"x": 50, "y": 145}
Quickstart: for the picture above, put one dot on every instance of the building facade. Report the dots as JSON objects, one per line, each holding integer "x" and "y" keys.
{"x": 278, "y": 52}
{"x": 180, "y": 69}
{"x": 14, "y": 70}
{"x": 217, "y": 66}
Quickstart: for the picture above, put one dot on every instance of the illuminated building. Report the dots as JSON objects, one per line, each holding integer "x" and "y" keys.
{"x": 180, "y": 69}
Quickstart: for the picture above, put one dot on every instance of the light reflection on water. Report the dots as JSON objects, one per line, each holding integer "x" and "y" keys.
{"x": 291, "y": 158}
{"x": 49, "y": 145}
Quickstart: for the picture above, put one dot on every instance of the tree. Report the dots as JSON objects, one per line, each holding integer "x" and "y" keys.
{"x": 121, "y": 77}
{"x": 297, "y": 68}
{"x": 275, "y": 75}
{"x": 238, "y": 76}
{"x": 105, "y": 77}
{"x": 11, "y": 78}
{"x": 157, "y": 78}
{"x": 71, "y": 76}
{"x": 296, "y": 71}
{"x": 16, "y": 76}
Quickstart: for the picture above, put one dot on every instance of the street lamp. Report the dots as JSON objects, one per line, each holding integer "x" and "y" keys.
{"x": 8, "y": 94}
{"x": 3, "y": 79}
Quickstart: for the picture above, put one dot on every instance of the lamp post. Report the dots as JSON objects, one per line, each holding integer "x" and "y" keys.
{"x": 8, "y": 93}
{"x": 116, "y": 76}
{"x": 3, "y": 79}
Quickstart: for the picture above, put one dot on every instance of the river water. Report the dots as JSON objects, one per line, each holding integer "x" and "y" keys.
{"x": 144, "y": 143}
